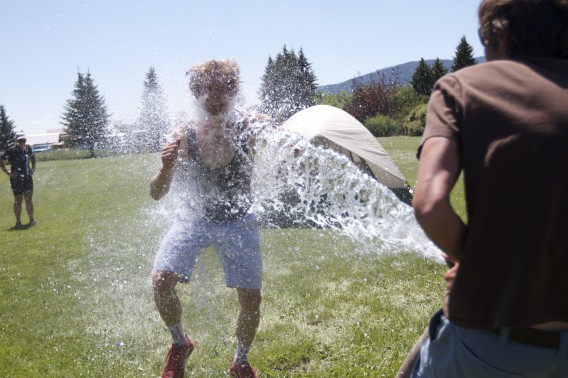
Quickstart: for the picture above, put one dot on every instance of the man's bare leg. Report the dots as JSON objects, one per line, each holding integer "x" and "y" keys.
{"x": 18, "y": 199}
{"x": 29, "y": 206}
{"x": 249, "y": 315}
{"x": 166, "y": 298}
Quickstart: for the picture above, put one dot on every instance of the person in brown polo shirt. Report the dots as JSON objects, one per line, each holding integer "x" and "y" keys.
{"x": 503, "y": 123}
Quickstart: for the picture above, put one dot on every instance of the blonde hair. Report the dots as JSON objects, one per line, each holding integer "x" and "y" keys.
{"x": 202, "y": 74}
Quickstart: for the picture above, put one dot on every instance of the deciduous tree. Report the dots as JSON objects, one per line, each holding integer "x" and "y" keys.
{"x": 375, "y": 97}
{"x": 339, "y": 100}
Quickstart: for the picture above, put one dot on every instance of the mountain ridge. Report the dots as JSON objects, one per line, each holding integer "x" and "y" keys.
{"x": 404, "y": 71}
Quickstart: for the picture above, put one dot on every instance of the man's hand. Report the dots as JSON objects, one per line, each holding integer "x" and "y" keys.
{"x": 450, "y": 275}
{"x": 160, "y": 183}
{"x": 170, "y": 154}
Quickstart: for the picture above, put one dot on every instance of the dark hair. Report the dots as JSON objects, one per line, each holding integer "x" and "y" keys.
{"x": 535, "y": 27}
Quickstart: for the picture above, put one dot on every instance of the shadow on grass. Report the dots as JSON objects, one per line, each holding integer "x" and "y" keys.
{"x": 22, "y": 227}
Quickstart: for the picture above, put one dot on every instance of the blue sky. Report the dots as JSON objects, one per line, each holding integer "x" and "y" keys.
{"x": 45, "y": 42}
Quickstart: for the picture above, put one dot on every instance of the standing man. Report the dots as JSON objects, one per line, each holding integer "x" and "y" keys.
{"x": 212, "y": 166}
{"x": 505, "y": 123}
{"x": 22, "y": 167}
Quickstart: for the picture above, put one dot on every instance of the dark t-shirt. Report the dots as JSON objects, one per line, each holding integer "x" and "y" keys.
{"x": 19, "y": 159}
{"x": 225, "y": 193}
{"x": 510, "y": 119}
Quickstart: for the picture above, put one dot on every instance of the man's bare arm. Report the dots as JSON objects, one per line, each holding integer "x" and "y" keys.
{"x": 438, "y": 172}
{"x": 160, "y": 183}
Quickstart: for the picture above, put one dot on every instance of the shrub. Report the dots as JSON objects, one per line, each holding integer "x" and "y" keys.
{"x": 416, "y": 120}
{"x": 382, "y": 126}
{"x": 407, "y": 99}
{"x": 414, "y": 128}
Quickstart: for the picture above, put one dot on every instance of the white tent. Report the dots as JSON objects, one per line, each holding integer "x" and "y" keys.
{"x": 334, "y": 128}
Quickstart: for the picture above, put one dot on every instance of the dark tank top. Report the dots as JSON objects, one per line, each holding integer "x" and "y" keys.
{"x": 225, "y": 191}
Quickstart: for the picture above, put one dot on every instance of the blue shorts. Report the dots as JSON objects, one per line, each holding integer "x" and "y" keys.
{"x": 236, "y": 243}
{"x": 453, "y": 351}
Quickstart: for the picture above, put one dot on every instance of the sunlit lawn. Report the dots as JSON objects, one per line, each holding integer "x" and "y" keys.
{"x": 76, "y": 299}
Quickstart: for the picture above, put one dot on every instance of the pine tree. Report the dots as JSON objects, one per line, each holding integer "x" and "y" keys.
{"x": 7, "y": 133}
{"x": 438, "y": 70}
{"x": 287, "y": 86}
{"x": 307, "y": 81}
{"x": 86, "y": 116}
{"x": 267, "y": 90}
{"x": 423, "y": 78}
{"x": 464, "y": 56}
{"x": 153, "y": 117}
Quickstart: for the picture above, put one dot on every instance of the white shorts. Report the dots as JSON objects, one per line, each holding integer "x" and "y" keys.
{"x": 237, "y": 245}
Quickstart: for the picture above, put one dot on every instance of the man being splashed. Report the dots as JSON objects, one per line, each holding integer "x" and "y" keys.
{"x": 212, "y": 159}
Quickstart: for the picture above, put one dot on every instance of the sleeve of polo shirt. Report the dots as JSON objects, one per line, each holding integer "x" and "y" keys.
{"x": 445, "y": 109}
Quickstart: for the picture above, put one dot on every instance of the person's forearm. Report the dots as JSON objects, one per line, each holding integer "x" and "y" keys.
{"x": 437, "y": 174}
{"x": 3, "y": 168}
{"x": 160, "y": 183}
{"x": 445, "y": 228}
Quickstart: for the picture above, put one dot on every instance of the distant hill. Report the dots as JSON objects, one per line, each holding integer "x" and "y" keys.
{"x": 405, "y": 72}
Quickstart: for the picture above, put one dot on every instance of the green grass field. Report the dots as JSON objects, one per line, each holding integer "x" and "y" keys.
{"x": 76, "y": 297}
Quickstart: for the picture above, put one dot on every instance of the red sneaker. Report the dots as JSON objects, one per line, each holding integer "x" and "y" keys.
{"x": 174, "y": 366}
{"x": 241, "y": 371}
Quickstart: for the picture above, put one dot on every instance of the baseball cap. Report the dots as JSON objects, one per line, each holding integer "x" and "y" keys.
{"x": 20, "y": 136}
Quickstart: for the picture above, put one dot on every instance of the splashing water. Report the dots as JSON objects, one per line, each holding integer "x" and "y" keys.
{"x": 297, "y": 184}
{"x": 325, "y": 189}
{"x": 294, "y": 183}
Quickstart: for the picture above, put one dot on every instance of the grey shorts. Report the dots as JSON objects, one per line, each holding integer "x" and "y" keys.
{"x": 236, "y": 243}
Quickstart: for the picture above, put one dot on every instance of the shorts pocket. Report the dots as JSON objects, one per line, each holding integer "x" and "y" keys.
{"x": 483, "y": 366}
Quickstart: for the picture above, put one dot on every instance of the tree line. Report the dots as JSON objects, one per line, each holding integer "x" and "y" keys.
{"x": 388, "y": 107}
{"x": 86, "y": 118}
{"x": 385, "y": 106}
